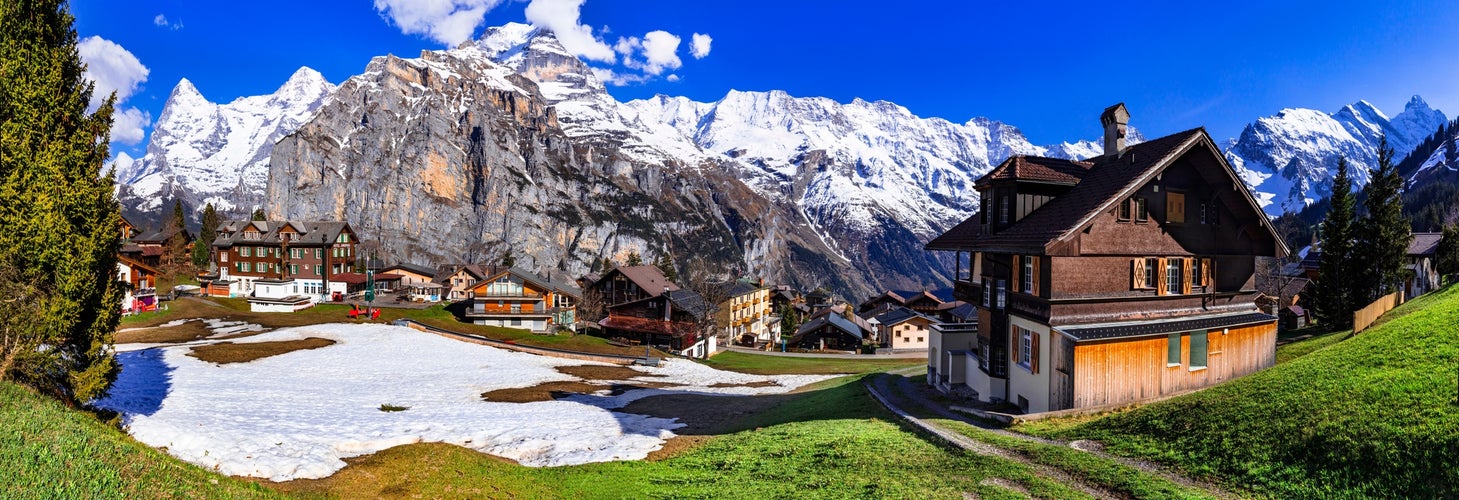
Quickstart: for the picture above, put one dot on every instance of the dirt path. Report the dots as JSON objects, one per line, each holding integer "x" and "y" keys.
{"x": 905, "y": 390}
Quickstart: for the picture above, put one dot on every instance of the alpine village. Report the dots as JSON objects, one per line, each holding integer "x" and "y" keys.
{"x": 477, "y": 274}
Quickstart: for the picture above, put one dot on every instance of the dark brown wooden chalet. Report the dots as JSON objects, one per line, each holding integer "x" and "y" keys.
{"x": 923, "y": 302}
{"x": 1124, "y": 277}
{"x": 645, "y": 307}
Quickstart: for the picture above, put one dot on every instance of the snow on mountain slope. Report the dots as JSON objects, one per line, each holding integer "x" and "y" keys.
{"x": 205, "y": 152}
{"x": 1288, "y": 159}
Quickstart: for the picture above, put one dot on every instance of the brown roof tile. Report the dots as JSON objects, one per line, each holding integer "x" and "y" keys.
{"x": 1038, "y": 168}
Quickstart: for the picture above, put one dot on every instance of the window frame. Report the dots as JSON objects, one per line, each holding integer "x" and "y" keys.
{"x": 245, "y": 251}
{"x": 1172, "y": 350}
{"x": 1174, "y": 199}
{"x": 1142, "y": 210}
{"x": 1027, "y": 274}
{"x": 1003, "y": 210}
{"x": 1124, "y": 213}
{"x": 1001, "y": 294}
{"x": 1173, "y": 276}
{"x": 1205, "y": 350}
{"x": 1150, "y": 264}
{"x": 1025, "y": 347}
{"x": 987, "y": 293}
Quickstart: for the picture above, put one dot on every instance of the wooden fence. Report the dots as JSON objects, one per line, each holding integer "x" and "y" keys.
{"x": 1363, "y": 318}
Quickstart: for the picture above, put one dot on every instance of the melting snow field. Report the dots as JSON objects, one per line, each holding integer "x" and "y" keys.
{"x": 298, "y": 415}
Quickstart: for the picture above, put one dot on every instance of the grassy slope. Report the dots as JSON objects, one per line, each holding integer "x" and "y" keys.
{"x": 833, "y": 442}
{"x": 49, "y": 451}
{"x": 1373, "y": 415}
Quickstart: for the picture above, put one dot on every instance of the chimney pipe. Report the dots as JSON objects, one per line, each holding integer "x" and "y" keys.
{"x": 1114, "y": 119}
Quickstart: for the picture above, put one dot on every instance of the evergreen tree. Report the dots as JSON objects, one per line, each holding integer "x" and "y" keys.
{"x": 1447, "y": 255}
{"x": 259, "y": 215}
{"x": 1334, "y": 292}
{"x": 508, "y": 260}
{"x": 206, "y": 234}
{"x": 666, "y": 266}
{"x": 1382, "y": 233}
{"x": 59, "y": 219}
{"x": 607, "y": 265}
{"x": 178, "y": 215}
{"x": 634, "y": 259}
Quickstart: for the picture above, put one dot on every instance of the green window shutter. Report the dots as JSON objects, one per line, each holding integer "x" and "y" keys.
{"x": 1172, "y": 355}
{"x": 1198, "y": 349}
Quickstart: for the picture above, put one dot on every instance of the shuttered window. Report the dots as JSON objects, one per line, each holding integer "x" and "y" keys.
{"x": 1025, "y": 347}
{"x": 1137, "y": 274}
{"x": 1172, "y": 275}
{"x": 1206, "y": 272}
{"x": 1029, "y": 271}
{"x": 1017, "y": 273}
{"x": 1185, "y": 269}
{"x": 1175, "y": 207}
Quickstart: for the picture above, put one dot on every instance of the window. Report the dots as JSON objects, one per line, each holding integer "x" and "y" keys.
{"x": 1204, "y": 220}
{"x": 1196, "y": 275}
{"x": 318, "y": 270}
{"x": 516, "y": 309}
{"x": 1175, "y": 208}
{"x": 319, "y": 253}
{"x": 1172, "y": 350}
{"x": 293, "y": 253}
{"x": 293, "y": 269}
{"x": 1124, "y": 213}
{"x": 1150, "y": 281}
{"x": 987, "y": 291}
{"x": 1003, "y": 209}
{"x": 1028, "y": 274}
{"x": 1002, "y": 293}
{"x": 1198, "y": 350}
{"x": 245, "y": 251}
{"x": 1172, "y": 275}
{"x": 1142, "y": 212}
{"x": 986, "y": 207}
{"x": 516, "y": 321}
{"x": 1025, "y": 347}
{"x": 245, "y": 267}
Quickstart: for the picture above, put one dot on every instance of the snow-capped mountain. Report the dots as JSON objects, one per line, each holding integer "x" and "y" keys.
{"x": 1442, "y": 164}
{"x": 203, "y": 152}
{"x": 1288, "y": 159}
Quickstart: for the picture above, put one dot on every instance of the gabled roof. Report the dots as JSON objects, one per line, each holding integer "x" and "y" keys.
{"x": 559, "y": 286}
{"x": 416, "y": 269}
{"x": 898, "y": 315}
{"x": 741, "y": 287}
{"x": 687, "y": 301}
{"x": 959, "y": 237}
{"x": 1110, "y": 179}
{"x": 137, "y": 263}
{"x": 1424, "y": 244}
{"x": 161, "y": 235}
{"x": 306, "y": 233}
{"x": 1037, "y": 169}
{"x": 649, "y": 278}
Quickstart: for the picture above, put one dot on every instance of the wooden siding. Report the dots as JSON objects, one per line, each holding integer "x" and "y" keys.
{"x": 1130, "y": 370}
{"x": 1363, "y": 318}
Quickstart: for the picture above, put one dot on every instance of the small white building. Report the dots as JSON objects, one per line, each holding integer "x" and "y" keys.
{"x": 278, "y": 296}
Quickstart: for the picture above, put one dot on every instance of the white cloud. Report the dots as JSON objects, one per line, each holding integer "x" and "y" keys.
{"x": 660, "y": 52}
{"x": 562, "y": 17}
{"x": 672, "y": 78}
{"x": 699, "y": 45}
{"x": 611, "y": 77}
{"x": 627, "y": 46}
{"x": 447, "y": 21}
{"x": 112, "y": 67}
{"x": 129, "y": 126}
{"x": 162, "y": 22}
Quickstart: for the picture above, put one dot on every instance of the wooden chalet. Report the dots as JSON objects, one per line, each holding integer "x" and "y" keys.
{"x": 923, "y": 302}
{"x": 310, "y": 254}
{"x": 902, "y": 328}
{"x": 1127, "y": 276}
{"x": 833, "y": 328}
{"x": 457, "y": 281}
{"x": 516, "y": 298}
{"x": 646, "y": 308}
{"x": 141, "y": 285}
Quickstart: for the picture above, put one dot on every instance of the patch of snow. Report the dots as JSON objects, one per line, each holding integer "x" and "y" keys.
{"x": 298, "y": 415}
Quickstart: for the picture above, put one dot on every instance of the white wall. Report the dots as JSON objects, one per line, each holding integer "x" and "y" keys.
{"x": 1021, "y": 382}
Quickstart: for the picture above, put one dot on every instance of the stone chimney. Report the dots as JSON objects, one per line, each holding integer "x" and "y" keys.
{"x": 1114, "y": 119}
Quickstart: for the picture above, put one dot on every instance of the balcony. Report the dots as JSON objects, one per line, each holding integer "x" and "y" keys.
{"x": 968, "y": 291}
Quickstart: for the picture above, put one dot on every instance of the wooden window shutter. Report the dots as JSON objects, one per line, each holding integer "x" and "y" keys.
{"x": 1160, "y": 276}
{"x": 1185, "y": 272}
{"x": 1017, "y": 273}
{"x": 1017, "y": 342}
{"x": 1037, "y": 263}
{"x": 1137, "y": 273}
{"x": 1033, "y": 356}
{"x": 1206, "y": 272}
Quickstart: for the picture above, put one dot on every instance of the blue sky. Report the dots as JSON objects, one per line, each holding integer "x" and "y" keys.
{"x": 1045, "y": 67}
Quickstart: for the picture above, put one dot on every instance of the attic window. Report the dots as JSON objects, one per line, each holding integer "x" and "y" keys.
{"x": 1142, "y": 212}
{"x": 1124, "y": 214}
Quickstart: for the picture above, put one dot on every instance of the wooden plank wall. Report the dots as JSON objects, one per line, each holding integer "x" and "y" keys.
{"x": 1131, "y": 370}
{"x": 1363, "y": 318}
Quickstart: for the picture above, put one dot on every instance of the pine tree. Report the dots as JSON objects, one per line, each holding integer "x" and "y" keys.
{"x": 178, "y": 215}
{"x": 1382, "y": 233}
{"x": 59, "y": 219}
{"x": 634, "y": 259}
{"x": 1447, "y": 255}
{"x": 259, "y": 215}
{"x": 206, "y": 234}
{"x": 508, "y": 260}
{"x": 666, "y": 266}
{"x": 1334, "y": 297}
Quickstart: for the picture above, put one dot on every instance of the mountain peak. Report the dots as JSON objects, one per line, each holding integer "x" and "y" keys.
{"x": 1416, "y": 102}
{"x": 499, "y": 42}
{"x": 185, "y": 88}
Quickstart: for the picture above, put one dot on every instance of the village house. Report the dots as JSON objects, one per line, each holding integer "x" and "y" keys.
{"x": 141, "y": 285}
{"x": 1127, "y": 276}
{"x": 832, "y": 328}
{"x": 411, "y": 274}
{"x": 923, "y": 302}
{"x": 458, "y": 280}
{"x": 517, "y": 298}
{"x": 1422, "y": 264}
{"x": 902, "y": 328}
{"x": 746, "y": 315}
{"x": 644, "y": 307}
{"x": 155, "y": 247}
{"x": 306, "y": 255}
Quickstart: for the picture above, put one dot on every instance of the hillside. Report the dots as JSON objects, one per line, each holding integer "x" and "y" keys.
{"x": 53, "y": 452}
{"x": 1371, "y": 416}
